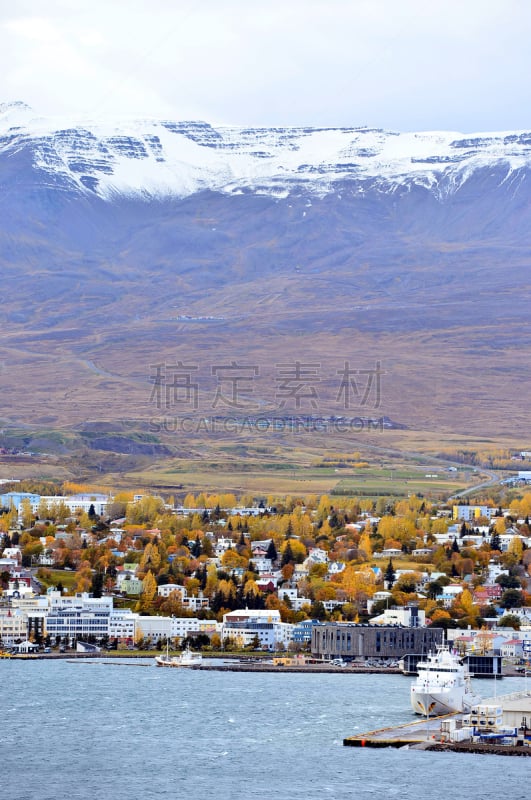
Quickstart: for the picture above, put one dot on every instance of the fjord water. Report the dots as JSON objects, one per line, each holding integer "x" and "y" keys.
{"x": 131, "y": 731}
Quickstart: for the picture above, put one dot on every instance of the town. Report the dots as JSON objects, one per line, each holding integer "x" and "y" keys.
{"x": 89, "y": 570}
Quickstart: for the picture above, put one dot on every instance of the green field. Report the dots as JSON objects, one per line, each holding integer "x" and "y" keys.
{"x": 303, "y": 470}
{"x": 51, "y": 577}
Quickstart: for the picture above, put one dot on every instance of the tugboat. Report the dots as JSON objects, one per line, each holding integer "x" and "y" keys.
{"x": 442, "y": 685}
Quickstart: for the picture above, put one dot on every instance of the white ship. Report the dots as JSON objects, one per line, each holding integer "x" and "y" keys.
{"x": 442, "y": 685}
{"x": 187, "y": 659}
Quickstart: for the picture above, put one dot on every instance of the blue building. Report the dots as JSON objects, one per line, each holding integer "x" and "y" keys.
{"x": 14, "y": 499}
{"x": 302, "y": 631}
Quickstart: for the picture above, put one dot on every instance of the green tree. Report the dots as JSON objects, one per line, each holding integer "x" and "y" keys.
{"x": 287, "y": 555}
{"x": 97, "y": 584}
{"x": 511, "y": 598}
{"x": 272, "y": 551}
{"x": 510, "y": 621}
{"x": 508, "y": 581}
{"x": 390, "y": 574}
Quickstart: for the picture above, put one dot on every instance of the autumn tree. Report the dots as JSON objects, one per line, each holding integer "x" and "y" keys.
{"x": 172, "y": 605}
{"x": 296, "y": 552}
{"x": 358, "y": 584}
{"x": 25, "y": 512}
{"x": 83, "y": 577}
{"x": 464, "y": 609}
{"x": 150, "y": 560}
{"x": 231, "y": 559}
{"x": 149, "y": 592}
{"x": 211, "y": 580}
{"x": 516, "y": 548}
{"x": 365, "y": 545}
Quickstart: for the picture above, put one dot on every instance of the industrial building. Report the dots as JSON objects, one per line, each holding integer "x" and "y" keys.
{"x": 352, "y": 641}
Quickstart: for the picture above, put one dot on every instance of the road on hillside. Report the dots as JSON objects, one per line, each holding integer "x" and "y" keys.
{"x": 494, "y": 480}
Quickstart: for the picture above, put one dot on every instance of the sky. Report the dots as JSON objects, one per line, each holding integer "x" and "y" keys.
{"x": 404, "y": 65}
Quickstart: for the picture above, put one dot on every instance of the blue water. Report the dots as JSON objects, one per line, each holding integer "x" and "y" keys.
{"x": 124, "y": 732}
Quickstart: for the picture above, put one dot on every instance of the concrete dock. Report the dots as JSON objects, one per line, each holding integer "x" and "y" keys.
{"x": 425, "y": 735}
{"x": 419, "y": 732}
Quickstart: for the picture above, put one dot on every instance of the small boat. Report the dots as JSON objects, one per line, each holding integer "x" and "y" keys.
{"x": 442, "y": 685}
{"x": 186, "y": 659}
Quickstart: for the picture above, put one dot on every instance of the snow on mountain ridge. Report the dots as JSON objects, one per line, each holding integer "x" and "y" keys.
{"x": 156, "y": 158}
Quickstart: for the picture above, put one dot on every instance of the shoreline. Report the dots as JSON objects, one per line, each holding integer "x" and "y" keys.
{"x": 237, "y": 663}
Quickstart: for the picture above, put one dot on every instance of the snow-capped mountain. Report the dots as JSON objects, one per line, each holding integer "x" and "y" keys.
{"x": 131, "y": 243}
{"x": 163, "y": 158}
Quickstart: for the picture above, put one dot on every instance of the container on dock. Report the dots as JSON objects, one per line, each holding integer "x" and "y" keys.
{"x": 461, "y": 734}
{"x": 485, "y": 717}
{"x": 447, "y": 725}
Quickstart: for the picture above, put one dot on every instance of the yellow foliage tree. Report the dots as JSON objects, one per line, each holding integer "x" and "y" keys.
{"x": 439, "y": 614}
{"x": 83, "y": 577}
{"x": 516, "y": 547}
{"x": 400, "y": 528}
{"x": 251, "y": 588}
{"x": 150, "y": 559}
{"x": 231, "y": 559}
{"x": 358, "y": 583}
{"x": 500, "y": 525}
{"x": 25, "y": 513}
{"x": 227, "y": 589}
{"x": 149, "y": 591}
{"x": 365, "y": 545}
{"x": 464, "y": 608}
{"x": 298, "y": 550}
{"x": 211, "y": 581}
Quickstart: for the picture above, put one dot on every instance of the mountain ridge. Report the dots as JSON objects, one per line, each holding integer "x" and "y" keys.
{"x": 160, "y": 158}
{"x": 429, "y": 277}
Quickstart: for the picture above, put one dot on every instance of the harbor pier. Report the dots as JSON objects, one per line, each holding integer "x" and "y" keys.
{"x": 419, "y": 732}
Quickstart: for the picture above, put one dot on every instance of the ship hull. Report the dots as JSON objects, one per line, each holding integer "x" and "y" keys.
{"x": 440, "y": 701}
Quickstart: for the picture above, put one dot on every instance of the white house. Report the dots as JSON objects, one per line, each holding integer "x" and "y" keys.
{"x": 295, "y": 602}
{"x": 18, "y": 588}
{"x": 13, "y": 553}
{"x": 122, "y": 624}
{"x": 262, "y": 565}
{"x": 390, "y": 552}
{"x": 222, "y": 545}
{"x": 246, "y": 624}
{"x": 13, "y": 625}
{"x": 316, "y": 555}
{"x": 513, "y": 648}
{"x": 335, "y": 567}
{"x": 449, "y": 594}
{"x": 405, "y": 616}
{"x": 174, "y": 627}
{"x": 189, "y": 602}
{"x": 26, "y": 647}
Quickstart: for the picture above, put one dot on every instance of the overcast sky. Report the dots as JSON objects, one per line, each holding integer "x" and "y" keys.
{"x": 463, "y": 65}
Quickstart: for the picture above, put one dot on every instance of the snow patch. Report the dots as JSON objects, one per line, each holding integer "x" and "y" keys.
{"x": 159, "y": 158}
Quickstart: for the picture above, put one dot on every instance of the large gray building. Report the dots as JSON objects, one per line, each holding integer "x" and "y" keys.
{"x": 348, "y": 640}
